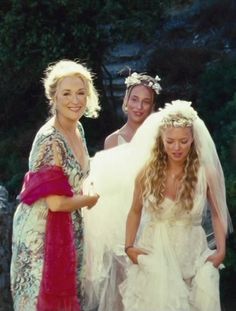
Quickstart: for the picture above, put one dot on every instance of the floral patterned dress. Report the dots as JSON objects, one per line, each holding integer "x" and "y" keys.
{"x": 29, "y": 222}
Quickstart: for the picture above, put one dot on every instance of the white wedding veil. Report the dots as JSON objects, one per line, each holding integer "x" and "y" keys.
{"x": 113, "y": 173}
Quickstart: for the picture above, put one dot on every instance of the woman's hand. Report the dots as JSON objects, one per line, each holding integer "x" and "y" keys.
{"x": 91, "y": 200}
{"x": 133, "y": 253}
{"x": 216, "y": 259}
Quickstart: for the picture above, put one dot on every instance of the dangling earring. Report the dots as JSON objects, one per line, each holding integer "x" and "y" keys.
{"x": 124, "y": 106}
{"x": 53, "y": 109}
{"x": 125, "y": 101}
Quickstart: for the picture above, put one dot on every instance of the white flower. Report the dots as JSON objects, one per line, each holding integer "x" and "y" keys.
{"x": 157, "y": 78}
{"x": 132, "y": 80}
{"x": 136, "y": 79}
{"x": 178, "y": 113}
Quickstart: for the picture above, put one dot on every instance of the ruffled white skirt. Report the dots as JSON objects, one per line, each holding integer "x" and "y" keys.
{"x": 157, "y": 282}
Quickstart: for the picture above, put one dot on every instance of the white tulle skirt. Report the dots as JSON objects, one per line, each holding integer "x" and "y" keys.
{"x": 157, "y": 282}
{"x": 104, "y": 230}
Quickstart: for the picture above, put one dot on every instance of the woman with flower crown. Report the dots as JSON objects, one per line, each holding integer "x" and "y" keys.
{"x": 105, "y": 226}
{"x": 171, "y": 267}
{"x": 139, "y": 101}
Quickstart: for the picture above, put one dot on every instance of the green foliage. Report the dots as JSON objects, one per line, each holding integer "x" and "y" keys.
{"x": 132, "y": 20}
{"x": 14, "y": 149}
{"x": 217, "y": 95}
{"x": 229, "y": 273}
{"x": 33, "y": 34}
{"x": 180, "y": 69}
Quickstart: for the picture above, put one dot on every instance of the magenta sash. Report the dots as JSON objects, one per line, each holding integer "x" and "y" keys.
{"x": 58, "y": 288}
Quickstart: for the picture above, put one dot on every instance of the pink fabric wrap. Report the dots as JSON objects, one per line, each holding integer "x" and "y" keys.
{"x": 47, "y": 181}
{"x": 58, "y": 290}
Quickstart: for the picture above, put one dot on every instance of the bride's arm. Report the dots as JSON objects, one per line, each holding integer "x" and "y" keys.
{"x": 133, "y": 222}
{"x": 220, "y": 236}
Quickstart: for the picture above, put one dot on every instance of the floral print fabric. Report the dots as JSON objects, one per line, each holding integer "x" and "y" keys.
{"x": 49, "y": 148}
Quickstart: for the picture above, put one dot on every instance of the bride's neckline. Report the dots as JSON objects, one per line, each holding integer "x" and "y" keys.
{"x": 170, "y": 199}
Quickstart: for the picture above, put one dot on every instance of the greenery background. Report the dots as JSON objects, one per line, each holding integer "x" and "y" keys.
{"x": 36, "y": 33}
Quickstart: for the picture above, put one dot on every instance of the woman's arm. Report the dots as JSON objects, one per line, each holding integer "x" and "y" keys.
{"x": 133, "y": 222}
{"x": 220, "y": 235}
{"x": 58, "y": 203}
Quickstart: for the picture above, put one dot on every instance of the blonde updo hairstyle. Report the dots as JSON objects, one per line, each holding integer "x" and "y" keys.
{"x": 66, "y": 68}
{"x": 154, "y": 174}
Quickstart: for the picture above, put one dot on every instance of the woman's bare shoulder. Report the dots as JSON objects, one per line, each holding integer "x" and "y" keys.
{"x": 112, "y": 140}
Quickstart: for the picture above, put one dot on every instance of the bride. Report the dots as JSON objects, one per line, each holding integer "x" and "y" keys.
{"x": 170, "y": 266}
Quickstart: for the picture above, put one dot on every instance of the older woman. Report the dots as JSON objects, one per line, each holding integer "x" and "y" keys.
{"x": 47, "y": 249}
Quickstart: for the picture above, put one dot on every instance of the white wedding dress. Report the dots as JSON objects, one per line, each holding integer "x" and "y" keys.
{"x": 174, "y": 275}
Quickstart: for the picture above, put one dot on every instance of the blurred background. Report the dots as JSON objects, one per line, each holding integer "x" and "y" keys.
{"x": 190, "y": 44}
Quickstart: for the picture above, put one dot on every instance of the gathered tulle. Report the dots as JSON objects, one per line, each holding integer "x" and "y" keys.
{"x": 102, "y": 294}
{"x": 156, "y": 280}
{"x": 105, "y": 228}
{"x": 58, "y": 291}
{"x": 205, "y": 290}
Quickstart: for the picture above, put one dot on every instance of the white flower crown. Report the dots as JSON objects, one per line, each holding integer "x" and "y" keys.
{"x": 178, "y": 113}
{"x": 140, "y": 78}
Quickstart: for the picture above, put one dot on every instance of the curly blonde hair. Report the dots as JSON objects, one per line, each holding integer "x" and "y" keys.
{"x": 154, "y": 175}
{"x": 66, "y": 68}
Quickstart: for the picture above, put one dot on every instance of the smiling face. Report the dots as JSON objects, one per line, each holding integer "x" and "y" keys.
{"x": 177, "y": 143}
{"x": 70, "y": 98}
{"x": 139, "y": 103}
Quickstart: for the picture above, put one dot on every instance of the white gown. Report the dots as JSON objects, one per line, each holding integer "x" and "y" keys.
{"x": 174, "y": 275}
